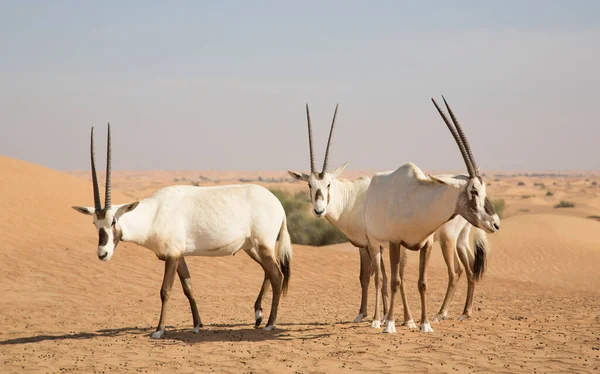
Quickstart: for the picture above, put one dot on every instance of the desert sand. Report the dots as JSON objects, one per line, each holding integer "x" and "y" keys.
{"x": 62, "y": 310}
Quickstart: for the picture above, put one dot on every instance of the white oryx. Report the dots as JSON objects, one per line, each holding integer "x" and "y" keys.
{"x": 179, "y": 221}
{"x": 342, "y": 203}
{"x": 406, "y": 207}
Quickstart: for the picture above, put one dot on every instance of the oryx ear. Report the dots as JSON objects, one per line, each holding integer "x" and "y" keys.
{"x": 84, "y": 210}
{"x": 439, "y": 180}
{"x": 337, "y": 172}
{"x": 299, "y": 176}
{"x": 126, "y": 208}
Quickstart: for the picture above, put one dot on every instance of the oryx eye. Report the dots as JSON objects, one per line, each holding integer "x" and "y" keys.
{"x": 114, "y": 222}
{"x": 329, "y": 185}
{"x": 475, "y": 193}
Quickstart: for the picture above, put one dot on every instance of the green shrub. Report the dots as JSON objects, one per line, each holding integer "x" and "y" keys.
{"x": 521, "y": 183}
{"x": 303, "y": 226}
{"x": 549, "y": 193}
{"x": 565, "y": 204}
{"x": 499, "y": 206}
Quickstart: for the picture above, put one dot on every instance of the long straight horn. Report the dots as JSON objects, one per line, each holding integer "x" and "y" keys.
{"x": 463, "y": 137}
{"x": 458, "y": 140}
{"x": 326, "y": 161}
{"x": 107, "y": 199}
{"x": 310, "y": 142}
{"x": 97, "y": 205}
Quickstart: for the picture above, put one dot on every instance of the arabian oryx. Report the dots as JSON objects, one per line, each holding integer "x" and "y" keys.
{"x": 179, "y": 221}
{"x": 406, "y": 207}
{"x": 342, "y": 203}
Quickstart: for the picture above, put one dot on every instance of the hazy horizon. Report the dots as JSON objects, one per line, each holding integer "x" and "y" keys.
{"x": 222, "y": 85}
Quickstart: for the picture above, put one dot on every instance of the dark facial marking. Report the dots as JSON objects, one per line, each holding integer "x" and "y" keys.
{"x": 116, "y": 235}
{"x": 102, "y": 237}
{"x": 100, "y": 214}
{"x": 489, "y": 208}
{"x": 319, "y": 194}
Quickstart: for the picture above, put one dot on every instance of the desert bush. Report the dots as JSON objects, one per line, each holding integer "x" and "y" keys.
{"x": 499, "y": 206}
{"x": 303, "y": 226}
{"x": 565, "y": 204}
{"x": 549, "y": 193}
{"x": 594, "y": 183}
{"x": 521, "y": 183}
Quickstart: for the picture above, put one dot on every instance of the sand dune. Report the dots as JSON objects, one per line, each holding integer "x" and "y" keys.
{"x": 63, "y": 310}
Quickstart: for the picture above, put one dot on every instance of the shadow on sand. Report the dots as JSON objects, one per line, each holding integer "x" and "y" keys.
{"x": 210, "y": 333}
{"x": 79, "y": 335}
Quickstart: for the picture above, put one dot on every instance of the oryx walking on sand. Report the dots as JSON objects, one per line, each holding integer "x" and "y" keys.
{"x": 179, "y": 221}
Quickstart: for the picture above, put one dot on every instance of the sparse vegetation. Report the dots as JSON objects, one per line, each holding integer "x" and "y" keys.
{"x": 549, "y": 193}
{"x": 565, "y": 204}
{"x": 540, "y": 185}
{"x": 594, "y": 183}
{"x": 499, "y": 206}
{"x": 303, "y": 226}
{"x": 527, "y": 196}
{"x": 521, "y": 183}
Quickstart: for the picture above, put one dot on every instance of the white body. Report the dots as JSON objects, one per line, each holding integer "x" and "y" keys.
{"x": 204, "y": 221}
{"x": 407, "y": 206}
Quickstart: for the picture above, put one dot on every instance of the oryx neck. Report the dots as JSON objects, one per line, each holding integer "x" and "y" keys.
{"x": 135, "y": 225}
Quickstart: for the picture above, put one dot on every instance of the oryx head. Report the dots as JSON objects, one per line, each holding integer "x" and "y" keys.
{"x": 473, "y": 203}
{"x": 319, "y": 183}
{"x": 106, "y": 219}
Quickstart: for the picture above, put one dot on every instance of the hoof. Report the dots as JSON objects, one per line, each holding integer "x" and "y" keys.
{"x": 257, "y": 318}
{"x": 270, "y": 327}
{"x": 464, "y": 317}
{"x": 439, "y": 318}
{"x": 158, "y": 334}
{"x": 359, "y": 318}
{"x": 410, "y": 324}
{"x": 426, "y": 327}
{"x": 390, "y": 328}
{"x": 196, "y": 329}
{"x": 376, "y": 324}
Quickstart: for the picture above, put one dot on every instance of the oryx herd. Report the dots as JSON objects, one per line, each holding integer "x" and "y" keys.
{"x": 401, "y": 209}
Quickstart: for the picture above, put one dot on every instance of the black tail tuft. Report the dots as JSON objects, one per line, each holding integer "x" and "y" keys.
{"x": 479, "y": 264}
{"x": 285, "y": 269}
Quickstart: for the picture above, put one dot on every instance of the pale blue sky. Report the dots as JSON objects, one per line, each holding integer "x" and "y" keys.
{"x": 222, "y": 84}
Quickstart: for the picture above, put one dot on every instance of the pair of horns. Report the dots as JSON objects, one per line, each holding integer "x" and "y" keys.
{"x": 310, "y": 142}
{"x": 107, "y": 199}
{"x": 460, "y": 138}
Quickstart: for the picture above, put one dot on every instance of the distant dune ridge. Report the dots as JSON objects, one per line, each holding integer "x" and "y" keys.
{"x": 62, "y": 309}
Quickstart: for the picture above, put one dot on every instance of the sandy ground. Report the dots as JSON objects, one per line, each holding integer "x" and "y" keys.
{"x": 62, "y": 310}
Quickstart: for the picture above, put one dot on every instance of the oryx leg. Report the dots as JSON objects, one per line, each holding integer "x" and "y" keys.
{"x": 408, "y": 319}
{"x": 375, "y": 254}
{"x": 365, "y": 279}
{"x": 385, "y": 294}
{"x": 263, "y": 289}
{"x": 188, "y": 290}
{"x": 423, "y": 262}
{"x": 448, "y": 245}
{"x": 167, "y": 285}
{"x": 275, "y": 275}
{"x": 394, "y": 286}
{"x": 467, "y": 259}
